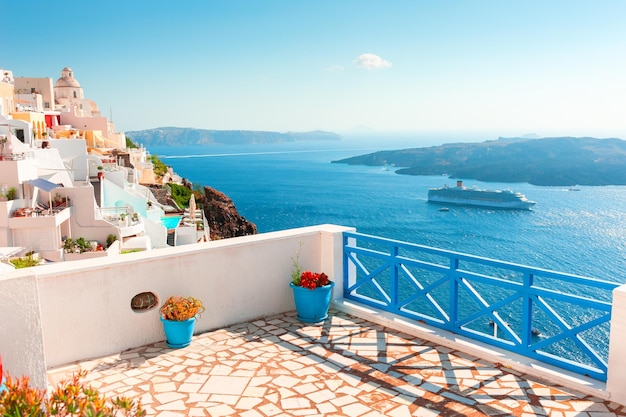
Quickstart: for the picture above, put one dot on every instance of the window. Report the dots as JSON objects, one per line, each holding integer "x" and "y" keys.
{"x": 20, "y": 134}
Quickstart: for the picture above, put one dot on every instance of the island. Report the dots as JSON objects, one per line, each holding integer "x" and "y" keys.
{"x": 183, "y": 136}
{"x": 557, "y": 161}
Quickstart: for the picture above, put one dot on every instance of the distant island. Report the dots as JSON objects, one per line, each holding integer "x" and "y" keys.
{"x": 559, "y": 161}
{"x": 182, "y": 136}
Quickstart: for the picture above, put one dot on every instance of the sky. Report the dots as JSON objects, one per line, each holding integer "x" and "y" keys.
{"x": 548, "y": 67}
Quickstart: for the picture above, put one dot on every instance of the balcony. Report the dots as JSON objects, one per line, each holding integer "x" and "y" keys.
{"x": 25, "y": 218}
{"x": 250, "y": 355}
{"x": 347, "y": 366}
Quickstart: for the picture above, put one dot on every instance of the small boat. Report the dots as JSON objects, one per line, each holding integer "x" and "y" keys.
{"x": 444, "y": 209}
{"x": 574, "y": 189}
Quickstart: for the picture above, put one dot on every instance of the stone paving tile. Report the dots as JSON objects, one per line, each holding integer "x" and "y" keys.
{"x": 344, "y": 366}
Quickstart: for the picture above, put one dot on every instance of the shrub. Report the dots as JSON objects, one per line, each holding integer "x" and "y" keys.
{"x": 70, "y": 398}
{"x": 180, "y": 194}
{"x": 110, "y": 239}
{"x": 26, "y": 262}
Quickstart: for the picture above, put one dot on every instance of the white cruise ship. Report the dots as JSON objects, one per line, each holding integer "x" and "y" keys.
{"x": 461, "y": 195}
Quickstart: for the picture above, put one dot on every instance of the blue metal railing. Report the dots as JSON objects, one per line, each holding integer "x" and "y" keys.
{"x": 558, "y": 318}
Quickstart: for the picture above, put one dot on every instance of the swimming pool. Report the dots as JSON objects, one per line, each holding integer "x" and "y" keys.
{"x": 170, "y": 222}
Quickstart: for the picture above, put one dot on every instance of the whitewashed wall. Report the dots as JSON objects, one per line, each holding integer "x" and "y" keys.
{"x": 616, "y": 383}
{"x": 72, "y": 311}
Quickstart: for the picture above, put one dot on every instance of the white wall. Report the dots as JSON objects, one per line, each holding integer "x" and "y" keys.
{"x": 81, "y": 310}
{"x": 616, "y": 383}
{"x": 74, "y": 151}
{"x": 21, "y": 332}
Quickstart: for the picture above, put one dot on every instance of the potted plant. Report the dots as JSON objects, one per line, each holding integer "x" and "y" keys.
{"x": 312, "y": 292}
{"x": 178, "y": 315}
{"x": 100, "y": 173}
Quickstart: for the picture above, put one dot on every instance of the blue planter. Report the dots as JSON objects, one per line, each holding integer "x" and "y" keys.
{"x": 312, "y": 305}
{"x": 178, "y": 333}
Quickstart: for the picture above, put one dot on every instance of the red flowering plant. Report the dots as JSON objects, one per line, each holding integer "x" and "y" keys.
{"x": 312, "y": 280}
{"x": 306, "y": 279}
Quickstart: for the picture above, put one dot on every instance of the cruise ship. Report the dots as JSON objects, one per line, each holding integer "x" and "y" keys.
{"x": 461, "y": 195}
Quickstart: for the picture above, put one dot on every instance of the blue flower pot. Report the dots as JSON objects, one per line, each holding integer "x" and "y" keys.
{"x": 178, "y": 334}
{"x": 312, "y": 305}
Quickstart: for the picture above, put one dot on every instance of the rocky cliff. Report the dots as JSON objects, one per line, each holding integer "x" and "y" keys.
{"x": 222, "y": 216}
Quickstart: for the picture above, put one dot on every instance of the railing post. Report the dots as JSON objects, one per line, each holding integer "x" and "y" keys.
{"x": 349, "y": 270}
{"x": 394, "y": 278}
{"x": 454, "y": 293}
{"x": 527, "y": 310}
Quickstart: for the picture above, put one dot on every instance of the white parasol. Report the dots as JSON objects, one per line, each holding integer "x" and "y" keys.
{"x": 192, "y": 208}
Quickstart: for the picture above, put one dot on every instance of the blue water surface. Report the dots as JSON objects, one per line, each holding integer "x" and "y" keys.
{"x": 281, "y": 186}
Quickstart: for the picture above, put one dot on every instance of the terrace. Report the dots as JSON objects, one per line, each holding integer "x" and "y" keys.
{"x": 346, "y": 366}
{"x": 251, "y": 357}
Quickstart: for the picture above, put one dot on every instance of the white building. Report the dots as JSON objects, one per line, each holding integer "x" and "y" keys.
{"x": 60, "y": 187}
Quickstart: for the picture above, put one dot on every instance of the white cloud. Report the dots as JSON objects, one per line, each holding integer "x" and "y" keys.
{"x": 371, "y": 61}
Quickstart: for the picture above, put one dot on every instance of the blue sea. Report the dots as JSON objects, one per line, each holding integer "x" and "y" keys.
{"x": 282, "y": 186}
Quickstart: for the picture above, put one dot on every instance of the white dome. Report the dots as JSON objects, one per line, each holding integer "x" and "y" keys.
{"x": 67, "y": 79}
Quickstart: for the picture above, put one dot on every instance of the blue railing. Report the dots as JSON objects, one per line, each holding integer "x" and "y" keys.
{"x": 554, "y": 317}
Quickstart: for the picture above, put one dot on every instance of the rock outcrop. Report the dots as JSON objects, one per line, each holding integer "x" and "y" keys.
{"x": 222, "y": 216}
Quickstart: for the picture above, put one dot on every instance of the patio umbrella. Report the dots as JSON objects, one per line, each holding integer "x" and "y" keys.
{"x": 192, "y": 208}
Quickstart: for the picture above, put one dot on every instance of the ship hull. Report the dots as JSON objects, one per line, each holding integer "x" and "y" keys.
{"x": 480, "y": 198}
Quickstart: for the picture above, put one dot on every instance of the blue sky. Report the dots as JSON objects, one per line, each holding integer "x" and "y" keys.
{"x": 510, "y": 67}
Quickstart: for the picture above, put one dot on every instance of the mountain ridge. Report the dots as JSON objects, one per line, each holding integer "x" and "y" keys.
{"x": 184, "y": 136}
{"x": 558, "y": 161}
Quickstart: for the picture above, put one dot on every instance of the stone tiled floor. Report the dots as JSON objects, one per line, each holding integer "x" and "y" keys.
{"x": 342, "y": 367}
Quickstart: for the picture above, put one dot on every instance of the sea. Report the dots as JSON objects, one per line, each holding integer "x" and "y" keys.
{"x": 578, "y": 230}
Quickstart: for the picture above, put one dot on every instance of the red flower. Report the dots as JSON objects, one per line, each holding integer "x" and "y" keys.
{"x": 312, "y": 280}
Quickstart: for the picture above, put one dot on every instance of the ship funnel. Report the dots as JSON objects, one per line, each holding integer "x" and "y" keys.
{"x": 459, "y": 184}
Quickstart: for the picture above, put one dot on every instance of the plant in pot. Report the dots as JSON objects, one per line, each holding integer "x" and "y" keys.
{"x": 178, "y": 315}
{"x": 312, "y": 292}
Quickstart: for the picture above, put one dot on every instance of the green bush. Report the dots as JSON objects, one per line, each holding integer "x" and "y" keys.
{"x": 110, "y": 239}
{"x": 70, "y": 398}
{"x": 180, "y": 194}
{"x": 26, "y": 262}
{"x": 159, "y": 167}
